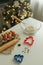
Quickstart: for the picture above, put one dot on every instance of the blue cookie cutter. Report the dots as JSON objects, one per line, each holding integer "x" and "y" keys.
{"x": 18, "y": 58}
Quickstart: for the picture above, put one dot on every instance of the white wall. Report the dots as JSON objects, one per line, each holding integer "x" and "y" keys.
{"x": 37, "y": 8}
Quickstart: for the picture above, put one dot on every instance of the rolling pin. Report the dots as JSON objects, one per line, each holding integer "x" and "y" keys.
{"x": 9, "y": 44}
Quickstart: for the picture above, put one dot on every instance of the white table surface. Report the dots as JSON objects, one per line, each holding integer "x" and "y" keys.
{"x": 35, "y": 55}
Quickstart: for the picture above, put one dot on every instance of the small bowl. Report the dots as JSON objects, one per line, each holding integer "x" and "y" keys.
{"x": 30, "y": 30}
{"x": 30, "y": 26}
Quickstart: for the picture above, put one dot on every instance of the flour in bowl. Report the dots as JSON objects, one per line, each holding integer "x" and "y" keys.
{"x": 30, "y": 30}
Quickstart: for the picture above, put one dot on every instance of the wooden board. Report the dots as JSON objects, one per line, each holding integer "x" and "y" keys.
{"x": 8, "y": 39}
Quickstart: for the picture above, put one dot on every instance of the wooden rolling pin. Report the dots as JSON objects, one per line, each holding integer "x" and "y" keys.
{"x": 9, "y": 44}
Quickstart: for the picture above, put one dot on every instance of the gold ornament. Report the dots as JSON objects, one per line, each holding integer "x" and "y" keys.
{"x": 22, "y": 1}
{"x": 22, "y": 17}
{"x": 16, "y": 3}
{"x": 13, "y": 6}
{"x": 7, "y": 12}
{"x": 12, "y": 17}
{"x": 4, "y": 29}
{"x": 25, "y": 13}
{"x": 24, "y": 7}
{"x": 7, "y": 22}
{"x": 9, "y": 6}
{"x": 28, "y": 5}
{"x": 29, "y": 13}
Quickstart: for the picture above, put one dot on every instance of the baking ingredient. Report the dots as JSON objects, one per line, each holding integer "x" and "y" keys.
{"x": 30, "y": 30}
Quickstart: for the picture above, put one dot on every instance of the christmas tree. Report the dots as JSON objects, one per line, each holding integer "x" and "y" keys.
{"x": 19, "y": 8}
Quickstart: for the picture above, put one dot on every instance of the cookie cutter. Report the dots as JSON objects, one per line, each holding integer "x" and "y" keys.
{"x": 18, "y": 58}
{"x": 29, "y": 43}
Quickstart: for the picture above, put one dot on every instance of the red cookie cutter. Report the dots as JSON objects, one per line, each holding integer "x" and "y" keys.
{"x": 30, "y": 37}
